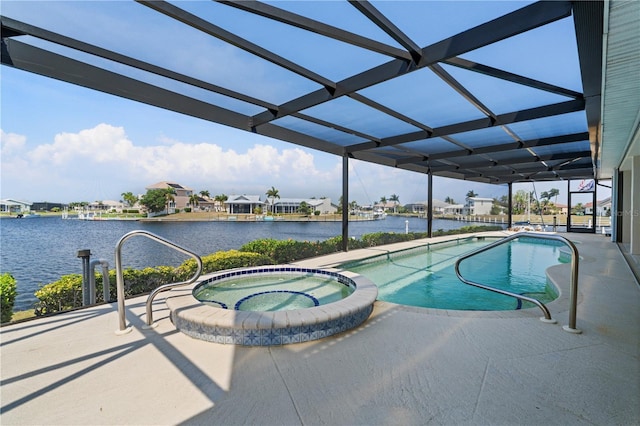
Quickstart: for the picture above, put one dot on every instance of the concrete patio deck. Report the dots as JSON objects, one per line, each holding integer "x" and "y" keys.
{"x": 403, "y": 366}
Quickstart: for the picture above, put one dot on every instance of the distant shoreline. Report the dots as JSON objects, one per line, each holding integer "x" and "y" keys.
{"x": 561, "y": 220}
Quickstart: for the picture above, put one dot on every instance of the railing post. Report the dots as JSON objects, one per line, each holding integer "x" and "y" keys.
{"x": 573, "y": 294}
{"x": 86, "y": 287}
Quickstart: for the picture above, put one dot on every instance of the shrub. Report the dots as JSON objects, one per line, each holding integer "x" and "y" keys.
{"x": 220, "y": 261}
{"x": 141, "y": 281}
{"x": 61, "y": 295}
{"x": 265, "y": 246}
{"x": 7, "y": 296}
{"x": 467, "y": 230}
{"x": 66, "y": 293}
{"x": 287, "y": 251}
{"x": 381, "y": 238}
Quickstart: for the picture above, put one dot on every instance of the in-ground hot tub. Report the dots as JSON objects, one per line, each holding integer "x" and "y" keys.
{"x": 300, "y": 305}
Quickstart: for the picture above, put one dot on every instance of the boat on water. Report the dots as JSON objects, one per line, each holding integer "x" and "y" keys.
{"x": 379, "y": 214}
{"x": 27, "y": 216}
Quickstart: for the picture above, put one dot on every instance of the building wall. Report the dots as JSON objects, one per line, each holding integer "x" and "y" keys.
{"x": 478, "y": 206}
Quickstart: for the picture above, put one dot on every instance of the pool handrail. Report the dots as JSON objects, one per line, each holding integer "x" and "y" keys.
{"x": 573, "y": 296}
{"x": 122, "y": 323}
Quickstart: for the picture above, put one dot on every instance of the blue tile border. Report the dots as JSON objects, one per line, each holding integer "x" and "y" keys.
{"x": 278, "y": 269}
{"x": 273, "y": 336}
{"x": 210, "y": 322}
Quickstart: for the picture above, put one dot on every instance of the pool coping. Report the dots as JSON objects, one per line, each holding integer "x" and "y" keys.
{"x": 228, "y": 326}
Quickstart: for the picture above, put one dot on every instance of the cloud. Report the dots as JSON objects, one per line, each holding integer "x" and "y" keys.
{"x": 102, "y": 144}
{"x": 11, "y": 143}
{"x": 66, "y": 169}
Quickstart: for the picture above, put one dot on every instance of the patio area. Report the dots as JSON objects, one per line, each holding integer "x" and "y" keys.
{"x": 404, "y": 365}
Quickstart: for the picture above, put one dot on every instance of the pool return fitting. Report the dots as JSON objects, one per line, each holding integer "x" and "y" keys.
{"x": 573, "y": 296}
{"x": 122, "y": 322}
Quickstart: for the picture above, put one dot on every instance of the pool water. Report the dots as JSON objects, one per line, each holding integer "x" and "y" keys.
{"x": 425, "y": 276}
{"x": 272, "y": 292}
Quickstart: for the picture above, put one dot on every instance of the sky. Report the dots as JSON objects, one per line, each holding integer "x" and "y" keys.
{"x": 64, "y": 143}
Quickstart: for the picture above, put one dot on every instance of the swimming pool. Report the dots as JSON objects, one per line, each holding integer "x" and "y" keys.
{"x": 425, "y": 277}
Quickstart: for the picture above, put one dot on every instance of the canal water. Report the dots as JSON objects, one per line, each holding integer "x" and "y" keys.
{"x": 38, "y": 251}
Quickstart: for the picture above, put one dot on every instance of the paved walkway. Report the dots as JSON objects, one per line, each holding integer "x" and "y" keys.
{"x": 403, "y": 366}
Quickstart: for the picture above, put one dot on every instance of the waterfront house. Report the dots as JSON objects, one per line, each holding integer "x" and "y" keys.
{"x": 454, "y": 209}
{"x": 106, "y": 206}
{"x": 206, "y": 204}
{"x": 478, "y": 206}
{"x": 603, "y": 207}
{"x": 14, "y": 206}
{"x": 291, "y": 205}
{"x": 243, "y": 204}
{"x": 420, "y": 207}
{"x": 180, "y": 198}
{"x": 561, "y": 208}
{"x": 47, "y": 206}
{"x": 388, "y": 206}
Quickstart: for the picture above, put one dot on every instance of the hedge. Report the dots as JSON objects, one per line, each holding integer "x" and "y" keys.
{"x": 287, "y": 251}
{"x": 66, "y": 293}
{"x": 220, "y": 261}
{"x": 7, "y": 296}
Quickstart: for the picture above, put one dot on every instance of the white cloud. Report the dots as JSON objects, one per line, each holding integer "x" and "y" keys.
{"x": 102, "y": 144}
{"x": 67, "y": 168}
{"x": 11, "y": 143}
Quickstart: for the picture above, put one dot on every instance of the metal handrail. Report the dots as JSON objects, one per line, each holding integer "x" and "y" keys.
{"x": 120, "y": 278}
{"x": 574, "y": 276}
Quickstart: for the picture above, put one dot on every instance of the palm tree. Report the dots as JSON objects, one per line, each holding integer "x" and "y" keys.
{"x": 129, "y": 198}
{"x": 205, "y": 194}
{"x": 471, "y": 194}
{"x": 169, "y": 196}
{"x": 396, "y": 201}
{"x": 520, "y": 201}
{"x": 273, "y": 194}
{"x": 193, "y": 200}
{"x": 449, "y": 200}
{"x": 545, "y": 200}
{"x": 220, "y": 199}
{"x": 554, "y": 192}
